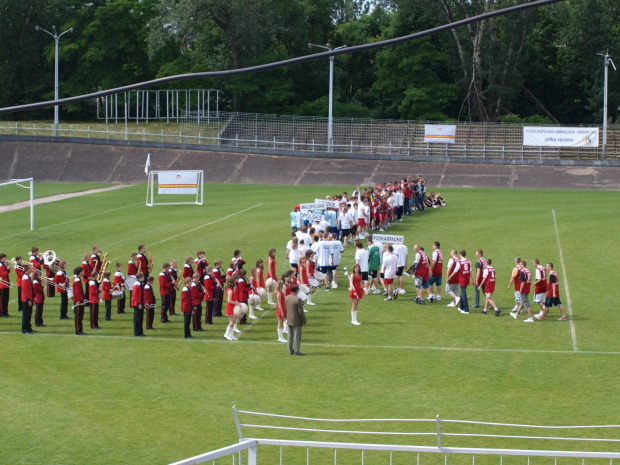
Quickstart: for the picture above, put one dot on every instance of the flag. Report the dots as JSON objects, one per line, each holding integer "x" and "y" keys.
{"x": 148, "y": 164}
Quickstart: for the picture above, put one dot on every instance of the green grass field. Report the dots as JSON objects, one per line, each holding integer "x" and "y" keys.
{"x": 112, "y": 398}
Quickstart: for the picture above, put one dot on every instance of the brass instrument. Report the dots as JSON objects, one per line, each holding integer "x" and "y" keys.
{"x": 180, "y": 281}
{"x": 49, "y": 259}
{"x": 149, "y": 265}
{"x": 104, "y": 265}
{"x": 11, "y": 285}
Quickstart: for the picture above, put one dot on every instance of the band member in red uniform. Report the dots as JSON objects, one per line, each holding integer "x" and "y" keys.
{"x": 39, "y": 298}
{"x": 271, "y": 274}
{"x": 132, "y": 265}
{"x": 27, "y": 300}
{"x": 209, "y": 288}
{"x": 197, "y": 296}
{"x": 149, "y": 302}
{"x": 95, "y": 260}
{"x": 356, "y": 293}
{"x": 488, "y": 281}
{"x": 93, "y": 299}
{"x": 231, "y": 301}
{"x": 106, "y": 294}
{"x": 137, "y": 302}
{"x": 201, "y": 263}
{"x": 220, "y": 279}
{"x": 36, "y": 261}
{"x": 78, "y": 300}
{"x": 143, "y": 262}
{"x": 5, "y": 285}
{"x": 88, "y": 272}
{"x": 19, "y": 272}
{"x": 119, "y": 285}
{"x": 62, "y": 283}
{"x": 553, "y": 295}
{"x": 280, "y": 309}
{"x": 174, "y": 273}
{"x": 49, "y": 274}
{"x": 165, "y": 286}
{"x": 186, "y": 307}
{"x": 243, "y": 292}
{"x": 436, "y": 271}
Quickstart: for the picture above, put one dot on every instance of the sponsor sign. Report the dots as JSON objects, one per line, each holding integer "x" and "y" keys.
{"x": 560, "y": 137}
{"x": 388, "y": 238}
{"x": 439, "y": 134}
{"x": 171, "y": 182}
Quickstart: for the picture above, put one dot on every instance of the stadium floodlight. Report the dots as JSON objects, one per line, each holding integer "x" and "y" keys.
{"x": 56, "y": 37}
{"x": 330, "y": 113}
{"x": 607, "y": 61}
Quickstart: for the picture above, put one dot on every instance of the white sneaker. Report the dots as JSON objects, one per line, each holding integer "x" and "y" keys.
{"x": 253, "y": 317}
{"x": 236, "y": 330}
{"x": 228, "y": 337}
{"x": 464, "y": 312}
{"x": 402, "y": 291}
{"x": 356, "y": 323}
{"x": 514, "y": 315}
{"x": 430, "y": 297}
{"x": 305, "y": 311}
{"x": 539, "y": 317}
{"x": 389, "y": 298}
{"x": 456, "y": 302}
{"x": 529, "y": 320}
{"x": 376, "y": 291}
{"x": 234, "y": 338}
{"x": 334, "y": 286}
{"x": 437, "y": 297}
{"x": 259, "y": 308}
{"x": 310, "y": 303}
{"x": 451, "y": 304}
{"x": 282, "y": 340}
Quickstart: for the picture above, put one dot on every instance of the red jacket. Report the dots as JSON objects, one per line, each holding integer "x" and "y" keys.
{"x": 149, "y": 296}
{"x": 93, "y": 291}
{"x": 78, "y": 292}
{"x": 209, "y": 287}
{"x": 186, "y": 300}
{"x": 132, "y": 269}
{"x": 27, "y": 289}
{"x": 106, "y": 287}
{"x": 39, "y": 297}
{"x": 164, "y": 283}
{"x": 136, "y": 294}
{"x": 61, "y": 279}
{"x": 197, "y": 294}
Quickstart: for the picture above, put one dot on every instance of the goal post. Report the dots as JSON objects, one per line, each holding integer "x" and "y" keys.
{"x": 21, "y": 183}
{"x": 177, "y": 183}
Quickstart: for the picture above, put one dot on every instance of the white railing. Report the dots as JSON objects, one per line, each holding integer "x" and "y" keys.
{"x": 437, "y": 432}
{"x": 219, "y": 134}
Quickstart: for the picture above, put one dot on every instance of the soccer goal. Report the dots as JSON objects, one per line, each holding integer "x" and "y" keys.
{"x": 176, "y": 183}
{"x": 27, "y": 183}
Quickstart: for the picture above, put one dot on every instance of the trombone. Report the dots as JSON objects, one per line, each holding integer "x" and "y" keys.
{"x": 11, "y": 285}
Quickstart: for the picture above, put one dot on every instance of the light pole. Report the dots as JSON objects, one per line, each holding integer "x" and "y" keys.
{"x": 607, "y": 61}
{"x": 330, "y": 113}
{"x": 56, "y": 37}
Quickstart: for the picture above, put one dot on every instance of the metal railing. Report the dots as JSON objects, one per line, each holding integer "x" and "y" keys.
{"x": 317, "y": 451}
{"x": 303, "y": 134}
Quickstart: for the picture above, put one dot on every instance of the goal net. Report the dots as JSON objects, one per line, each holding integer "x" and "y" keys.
{"x": 179, "y": 185}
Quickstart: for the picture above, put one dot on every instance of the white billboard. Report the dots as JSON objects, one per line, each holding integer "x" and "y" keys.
{"x": 560, "y": 137}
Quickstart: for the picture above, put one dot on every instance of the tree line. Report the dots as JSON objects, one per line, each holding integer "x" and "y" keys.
{"x": 536, "y": 66}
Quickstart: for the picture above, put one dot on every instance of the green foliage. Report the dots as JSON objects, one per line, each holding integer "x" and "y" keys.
{"x": 509, "y": 119}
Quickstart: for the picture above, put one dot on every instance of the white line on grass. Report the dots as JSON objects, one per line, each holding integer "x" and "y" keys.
{"x": 568, "y": 301}
{"x": 264, "y": 313}
{"x": 180, "y": 339}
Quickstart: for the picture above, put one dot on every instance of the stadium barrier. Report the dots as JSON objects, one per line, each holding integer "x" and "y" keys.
{"x": 247, "y": 450}
{"x": 309, "y": 134}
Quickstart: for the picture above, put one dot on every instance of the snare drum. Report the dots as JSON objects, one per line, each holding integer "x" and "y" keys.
{"x": 129, "y": 282}
{"x": 302, "y": 296}
{"x": 319, "y": 274}
{"x": 117, "y": 295}
{"x": 314, "y": 283}
{"x": 303, "y": 288}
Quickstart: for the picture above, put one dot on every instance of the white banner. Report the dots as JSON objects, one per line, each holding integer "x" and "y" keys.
{"x": 388, "y": 238}
{"x": 311, "y": 206}
{"x": 327, "y": 203}
{"x": 439, "y": 134}
{"x": 310, "y": 216}
{"x": 178, "y": 182}
{"x": 560, "y": 137}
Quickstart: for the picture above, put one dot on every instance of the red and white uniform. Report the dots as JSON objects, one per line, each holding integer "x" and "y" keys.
{"x": 143, "y": 263}
{"x": 27, "y": 289}
{"x": 197, "y": 294}
{"x": 188, "y": 271}
{"x": 464, "y": 272}
{"x": 93, "y": 292}
{"x": 422, "y": 261}
{"x": 36, "y": 261}
{"x": 20, "y": 274}
{"x": 61, "y": 280}
{"x": 541, "y": 287}
{"x": 87, "y": 271}
{"x": 78, "y": 291}
{"x": 136, "y": 294}
{"x": 526, "y": 281}
{"x": 4, "y": 276}
{"x": 243, "y": 290}
{"x": 219, "y": 276}
{"x": 438, "y": 267}
{"x": 164, "y": 283}
{"x": 119, "y": 280}
{"x": 186, "y": 300}
{"x": 106, "y": 288}
{"x": 271, "y": 268}
{"x": 132, "y": 268}
{"x": 209, "y": 284}
{"x": 201, "y": 265}
{"x": 489, "y": 284}
{"x": 39, "y": 296}
{"x": 95, "y": 262}
{"x": 261, "y": 278}
{"x": 149, "y": 295}
{"x": 553, "y": 287}
{"x": 357, "y": 292}
{"x": 517, "y": 279}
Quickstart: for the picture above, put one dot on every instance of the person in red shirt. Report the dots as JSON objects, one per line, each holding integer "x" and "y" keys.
{"x": 62, "y": 283}
{"x": 137, "y": 302}
{"x": 95, "y": 260}
{"x": 88, "y": 272}
{"x": 19, "y": 272}
{"x": 436, "y": 271}
{"x": 231, "y": 301}
{"x": 260, "y": 280}
{"x": 209, "y": 286}
{"x": 39, "y": 298}
{"x": 143, "y": 262}
{"x": 174, "y": 274}
{"x": 272, "y": 278}
{"x": 525, "y": 278}
{"x": 220, "y": 279}
{"x": 488, "y": 284}
{"x": 149, "y": 302}
{"x": 201, "y": 263}
{"x": 119, "y": 285}
{"x": 197, "y": 296}
{"x": 165, "y": 286}
{"x": 540, "y": 284}
{"x": 186, "y": 307}
{"x": 93, "y": 299}
{"x": 106, "y": 294}
{"x": 356, "y": 293}
{"x": 27, "y": 300}
{"x": 281, "y": 309}
{"x": 515, "y": 278}
{"x": 5, "y": 285}
{"x": 36, "y": 261}
{"x": 553, "y": 295}
{"x": 78, "y": 300}
{"x": 463, "y": 271}
{"x": 480, "y": 262}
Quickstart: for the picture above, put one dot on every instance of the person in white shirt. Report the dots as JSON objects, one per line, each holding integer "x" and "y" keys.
{"x": 363, "y": 218}
{"x": 345, "y": 224}
{"x": 388, "y": 268}
{"x": 295, "y": 219}
{"x": 337, "y": 248}
{"x": 399, "y": 202}
{"x": 292, "y": 254}
{"x": 325, "y": 258}
{"x": 402, "y": 252}
{"x": 361, "y": 259}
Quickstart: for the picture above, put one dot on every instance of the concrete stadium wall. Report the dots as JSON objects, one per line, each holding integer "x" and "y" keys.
{"x": 64, "y": 161}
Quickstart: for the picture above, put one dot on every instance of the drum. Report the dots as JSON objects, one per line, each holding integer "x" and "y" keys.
{"x": 313, "y": 282}
{"x": 117, "y": 295}
{"x": 319, "y": 274}
{"x": 303, "y": 288}
{"x": 302, "y": 296}
{"x": 129, "y": 282}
